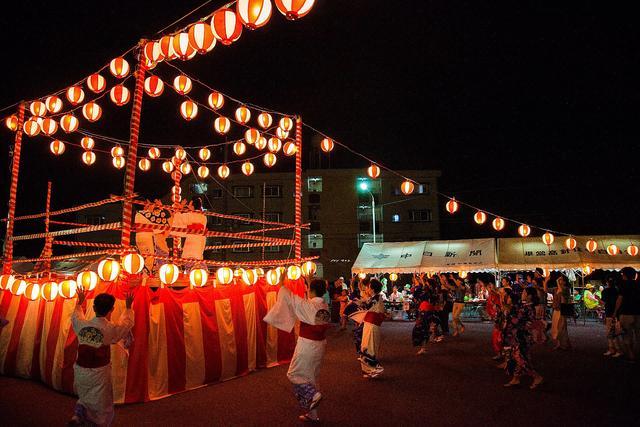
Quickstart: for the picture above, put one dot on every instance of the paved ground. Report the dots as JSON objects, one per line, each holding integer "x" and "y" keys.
{"x": 456, "y": 384}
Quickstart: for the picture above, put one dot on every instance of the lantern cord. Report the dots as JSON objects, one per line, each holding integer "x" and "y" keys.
{"x": 189, "y": 14}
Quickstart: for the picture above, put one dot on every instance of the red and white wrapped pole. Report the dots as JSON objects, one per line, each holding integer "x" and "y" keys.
{"x": 298, "y": 203}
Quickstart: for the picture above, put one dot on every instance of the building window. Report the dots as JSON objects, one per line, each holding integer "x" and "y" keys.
{"x": 272, "y": 191}
{"x": 239, "y": 250}
{"x": 395, "y": 218}
{"x": 314, "y": 213}
{"x": 216, "y": 193}
{"x": 420, "y": 215}
{"x": 243, "y": 192}
{"x": 315, "y": 241}
{"x": 423, "y": 188}
{"x": 314, "y": 226}
{"x": 244, "y": 215}
{"x": 365, "y": 226}
{"x": 215, "y": 220}
{"x": 199, "y": 188}
{"x": 272, "y": 248}
{"x": 94, "y": 219}
{"x": 314, "y": 184}
{"x": 314, "y": 198}
{"x": 272, "y": 216}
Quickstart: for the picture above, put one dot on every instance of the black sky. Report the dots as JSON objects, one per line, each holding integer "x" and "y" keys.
{"x": 530, "y": 109}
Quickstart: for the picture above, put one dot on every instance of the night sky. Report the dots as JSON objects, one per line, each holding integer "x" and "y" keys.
{"x": 529, "y": 110}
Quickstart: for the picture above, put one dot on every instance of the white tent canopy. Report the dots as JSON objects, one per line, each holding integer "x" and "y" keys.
{"x": 399, "y": 257}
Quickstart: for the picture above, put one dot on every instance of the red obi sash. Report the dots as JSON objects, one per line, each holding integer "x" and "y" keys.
{"x": 91, "y": 357}
{"x": 313, "y": 332}
{"x": 375, "y": 318}
{"x": 426, "y": 306}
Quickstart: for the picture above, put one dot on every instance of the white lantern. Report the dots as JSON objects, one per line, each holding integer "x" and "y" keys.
{"x": 87, "y": 280}
{"x": 169, "y": 274}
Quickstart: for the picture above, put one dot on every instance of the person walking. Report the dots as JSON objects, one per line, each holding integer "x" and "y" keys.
{"x": 459, "y": 291}
{"x": 628, "y": 311}
{"x": 562, "y": 308}
{"x": 612, "y": 328}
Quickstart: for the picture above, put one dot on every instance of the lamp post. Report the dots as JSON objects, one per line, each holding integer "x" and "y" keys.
{"x": 365, "y": 187}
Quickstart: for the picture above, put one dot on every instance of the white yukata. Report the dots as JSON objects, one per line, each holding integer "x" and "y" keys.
{"x": 193, "y": 244}
{"x": 313, "y": 315}
{"x": 371, "y": 336}
{"x": 92, "y": 370}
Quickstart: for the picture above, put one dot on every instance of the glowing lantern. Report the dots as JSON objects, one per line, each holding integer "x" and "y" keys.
{"x": 362, "y": 275}
{"x": 243, "y": 115}
{"x": 167, "y": 166}
{"x": 294, "y": 272}
{"x": 87, "y": 280}
{"x": 203, "y": 172}
{"x": 285, "y": 123}
{"x": 181, "y": 46}
{"x": 309, "y": 268}
{"x": 249, "y": 277}
{"x": 547, "y": 238}
{"x": 69, "y": 123}
{"x": 108, "y": 269}
{"x": 87, "y": 143}
{"x": 32, "y": 291}
{"x": 222, "y": 125}
{"x": 265, "y": 120}
{"x": 119, "y": 95}
{"x": 12, "y": 123}
{"x": 38, "y": 108}
{"x": 117, "y": 151}
{"x": 327, "y": 145}
{"x": 153, "y": 86}
{"x": 373, "y": 171}
{"x": 253, "y": 13}
{"x": 261, "y": 143}
{"x": 144, "y": 164}
{"x": 31, "y": 127}
{"x": 176, "y": 190}
{"x": 91, "y": 111}
{"x": 269, "y": 159}
{"x": 497, "y": 223}
{"x": 57, "y": 147}
{"x": 570, "y": 243}
{"x": 247, "y": 168}
{"x": 239, "y": 148}
{"x": 632, "y": 250}
{"x": 407, "y": 187}
{"x": 16, "y": 287}
{"x": 49, "y": 291}
{"x": 152, "y": 52}
{"x": 452, "y": 206}
{"x": 48, "y": 126}
{"x": 226, "y": 26}
{"x": 96, "y": 83}
{"x": 274, "y": 145}
{"x": 592, "y": 245}
{"x": 251, "y": 135}
{"x": 68, "y": 288}
{"x": 215, "y": 100}
{"x": 75, "y": 95}
{"x": 613, "y": 250}
{"x": 154, "y": 152}
{"x": 53, "y": 103}
{"x": 89, "y": 158}
{"x": 294, "y": 9}
{"x": 393, "y": 277}
{"x": 182, "y": 84}
{"x": 272, "y": 277}
{"x": 188, "y": 110}
{"x": 133, "y": 263}
{"x": 198, "y": 277}
{"x": 224, "y": 275}
{"x": 119, "y": 67}
{"x": 223, "y": 171}
{"x": 524, "y": 230}
{"x": 587, "y": 270}
{"x": 169, "y": 274}
{"x": 480, "y": 217}
{"x": 281, "y": 133}
{"x": 166, "y": 47}
{"x": 201, "y": 37}
{"x": 185, "y": 168}
{"x": 6, "y": 280}
{"x": 289, "y": 148}
{"x": 204, "y": 154}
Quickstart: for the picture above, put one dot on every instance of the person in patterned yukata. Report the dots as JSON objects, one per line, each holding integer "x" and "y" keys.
{"x": 427, "y": 324}
{"x": 518, "y": 338}
{"x": 371, "y": 336}
{"x": 92, "y": 370}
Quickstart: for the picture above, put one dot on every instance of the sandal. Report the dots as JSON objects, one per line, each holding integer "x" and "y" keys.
{"x": 307, "y": 419}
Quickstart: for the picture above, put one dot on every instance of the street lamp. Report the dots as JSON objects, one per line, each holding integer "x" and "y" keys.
{"x": 364, "y": 186}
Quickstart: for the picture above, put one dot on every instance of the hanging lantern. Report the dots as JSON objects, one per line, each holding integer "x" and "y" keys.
{"x": 31, "y": 291}
{"x": 253, "y": 13}
{"x": 269, "y": 159}
{"x": 169, "y": 274}
{"x": 87, "y": 280}
{"x": 53, "y": 103}
{"x": 285, "y": 123}
{"x": 185, "y": 168}
{"x": 592, "y": 245}
{"x": 281, "y": 133}
{"x": 327, "y": 145}
{"x": 524, "y": 230}
{"x": 247, "y": 168}
{"x": 91, "y": 111}
{"x": 294, "y": 272}
{"x": 294, "y": 9}
{"x": 144, "y": 164}
{"x": 393, "y": 277}
{"x": 108, "y": 269}
{"x": 570, "y": 243}
{"x": 154, "y": 153}
{"x": 188, "y": 110}
{"x": 224, "y": 275}
{"x": 117, "y": 151}
{"x": 215, "y": 100}
{"x": 57, "y": 147}
{"x": 133, "y": 263}
{"x": 75, "y": 95}
{"x": 239, "y": 148}
{"x": 497, "y": 223}
{"x": 309, "y": 268}
{"x": 198, "y": 277}
{"x": 613, "y": 250}
{"x": 68, "y": 288}
{"x": 251, "y": 135}
{"x": 182, "y": 84}
{"x": 69, "y": 123}
{"x": 166, "y": 47}
{"x": 48, "y": 126}
{"x": 119, "y": 95}
{"x": 289, "y": 148}
{"x": 480, "y": 217}
{"x": 373, "y": 171}
{"x": 226, "y": 26}
{"x": 250, "y": 277}
{"x": 362, "y": 276}
{"x": 88, "y": 158}
{"x": 38, "y": 109}
{"x": 548, "y": 238}
{"x": 272, "y": 277}
{"x": 223, "y": 171}
{"x": 153, "y": 86}
{"x": 176, "y": 190}
{"x": 203, "y": 172}
{"x": 96, "y": 83}
{"x": 16, "y": 287}
{"x": 152, "y": 51}
{"x": 587, "y": 270}
{"x": 452, "y": 206}
{"x": 6, "y": 280}
{"x": 119, "y": 67}
{"x": 274, "y": 145}
{"x": 49, "y": 291}
{"x": 31, "y": 127}
{"x": 167, "y": 166}
{"x": 632, "y": 250}
{"x": 12, "y": 122}
{"x": 201, "y": 37}
{"x": 222, "y": 125}
{"x": 204, "y": 154}
{"x": 243, "y": 115}
{"x": 407, "y": 187}
{"x": 87, "y": 143}
{"x": 265, "y": 120}
{"x": 261, "y": 143}
{"x": 181, "y": 46}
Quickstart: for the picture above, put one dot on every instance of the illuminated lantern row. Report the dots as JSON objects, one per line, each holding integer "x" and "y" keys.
{"x": 108, "y": 269}
{"x": 68, "y": 288}
{"x": 88, "y": 158}
{"x": 119, "y": 95}
{"x": 12, "y": 123}
{"x": 49, "y": 291}
{"x": 243, "y": 115}
{"x": 632, "y": 250}
{"x": 185, "y": 168}
{"x": 272, "y": 277}
{"x": 38, "y": 109}
{"x": 393, "y": 277}
{"x": 133, "y": 263}
{"x": 6, "y": 280}
{"x": 57, "y": 147}
{"x": 223, "y": 171}
{"x": 524, "y": 230}
{"x": 31, "y": 128}
{"x": 16, "y": 287}
{"x": 497, "y": 224}
{"x": 373, "y": 171}
{"x": 286, "y": 123}
{"x": 201, "y": 37}
{"x": 75, "y": 95}
{"x": 69, "y": 123}
{"x": 407, "y": 187}
{"x": 32, "y": 291}
{"x": 91, "y": 111}
{"x": 48, "y": 126}
{"x": 180, "y": 153}
{"x": 203, "y": 172}
{"x": 166, "y": 47}
{"x": 239, "y": 148}
{"x": 309, "y": 268}
{"x": 188, "y": 110}
{"x": 152, "y": 51}
{"x": 294, "y": 272}
{"x": 119, "y": 67}
{"x": 87, "y": 280}
{"x": 204, "y": 154}
{"x": 261, "y": 143}
{"x": 570, "y": 243}
{"x": 547, "y": 238}
{"x": 592, "y": 245}
{"x": 153, "y": 86}
{"x": 144, "y": 164}
{"x": 254, "y": 13}
{"x": 587, "y": 270}
{"x": 118, "y": 162}
{"x": 198, "y": 277}
{"x": 224, "y": 275}
{"x": 222, "y": 125}
{"x": 117, "y": 151}
{"x": 247, "y": 168}
{"x": 154, "y": 153}
{"x": 326, "y": 145}
{"x": 96, "y": 83}
{"x": 251, "y": 135}
{"x": 452, "y": 206}
{"x": 289, "y": 148}
{"x": 269, "y": 159}
{"x": 215, "y": 100}
{"x": 250, "y": 277}
{"x": 613, "y": 250}
{"x": 265, "y": 120}
{"x": 294, "y": 9}
{"x": 53, "y": 103}
{"x": 169, "y": 274}
{"x": 182, "y": 47}
{"x": 226, "y": 26}
{"x": 274, "y": 145}
{"x": 167, "y": 166}
{"x": 87, "y": 143}
{"x": 480, "y": 217}
{"x": 281, "y": 133}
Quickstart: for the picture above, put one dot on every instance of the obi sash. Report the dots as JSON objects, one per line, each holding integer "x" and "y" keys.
{"x": 313, "y": 332}
{"x": 375, "y": 318}
{"x": 91, "y": 357}
{"x": 426, "y": 306}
